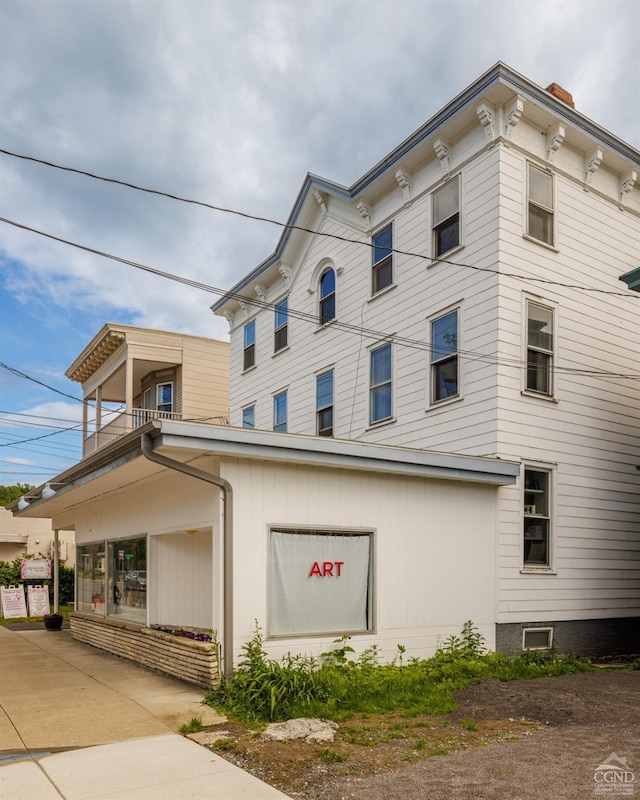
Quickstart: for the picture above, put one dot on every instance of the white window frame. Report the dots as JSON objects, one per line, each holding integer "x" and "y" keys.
{"x": 532, "y": 514}
{"x": 159, "y": 385}
{"x": 373, "y": 387}
{"x": 248, "y": 350}
{"x": 377, "y": 266}
{"x": 437, "y": 225}
{"x": 322, "y": 299}
{"x": 435, "y": 363}
{"x": 281, "y": 427}
{"x": 551, "y": 354}
{"x": 251, "y": 408}
{"x": 545, "y": 210}
{"x": 281, "y": 331}
{"x": 321, "y": 409}
{"x": 546, "y": 629}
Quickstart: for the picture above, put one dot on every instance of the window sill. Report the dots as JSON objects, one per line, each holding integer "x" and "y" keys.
{"x": 281, "y": 350}
{"x": 537, "y": 571}
{"x": 444, "y": 257}
{"x": 551, "y": 247}
{"x": 382, "y": 291}
{"x": 548, "y": 398}
{"x": 446, "y": 401}
{"x": 249, "y": 369}
{"x": 324, "y": 326}
{"x": 375, "y": 425}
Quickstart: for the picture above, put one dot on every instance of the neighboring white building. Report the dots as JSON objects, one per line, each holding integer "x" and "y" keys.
{"x": 438, "y": 307}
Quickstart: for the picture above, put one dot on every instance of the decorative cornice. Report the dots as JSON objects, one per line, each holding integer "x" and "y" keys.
{"x": 404, "y": 182}
{"x": 321, "y": 199}
{"x": 486, "y": 115}
{"x": 285, "y": 272}
{"x": 513, "y": 112}
{"x": 555, "y": 138}
{"x": 260, "y": 291}
{"x": 243, "y": 305}
{"x": 627, "y": 182}
{"x": 442, "y": 148}
{"x": 591, "y": 164}
{"x": 229, "y": 317}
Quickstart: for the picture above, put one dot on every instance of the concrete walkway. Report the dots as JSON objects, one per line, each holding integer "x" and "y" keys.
{"x": 57, "y": 694}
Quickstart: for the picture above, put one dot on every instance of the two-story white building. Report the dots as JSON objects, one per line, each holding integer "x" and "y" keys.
{"x": 463, "y": 296}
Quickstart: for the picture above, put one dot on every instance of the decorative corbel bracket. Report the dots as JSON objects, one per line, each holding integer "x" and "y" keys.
{"x": 513, "y": 112}
{"x": 591, "y": 164}
{"x": 365, "y": 212}
{"x": 404, "y": 182}
{"x": 442, "y": 148}
{"x": 243, "y": 305}
{"x": 555, "y": 138}
{"x": 627, "y": 182}
{"x": 229, "y": 317}
{"x": 285, "y": 272}
{"x": 321, "y": 200}
{"x": 486, "y": 115}
{"x": 260, "y": 291}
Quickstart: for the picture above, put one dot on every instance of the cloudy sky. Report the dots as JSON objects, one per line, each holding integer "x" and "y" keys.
{"x": 231, "y": 103}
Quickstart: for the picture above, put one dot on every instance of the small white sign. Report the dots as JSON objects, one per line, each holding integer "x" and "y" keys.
{"x": 38, "y": 597}
{"x": 13, "y": 604}
{"x": 38, "y": 569}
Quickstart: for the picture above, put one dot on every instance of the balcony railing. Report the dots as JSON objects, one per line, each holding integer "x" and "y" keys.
{"x": 142, "y": 415}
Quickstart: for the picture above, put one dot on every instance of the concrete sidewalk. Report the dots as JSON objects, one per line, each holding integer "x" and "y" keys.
{"x": 57, "y": 694}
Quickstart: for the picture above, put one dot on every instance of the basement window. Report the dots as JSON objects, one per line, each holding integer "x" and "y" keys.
{"x": 537, "y": 638}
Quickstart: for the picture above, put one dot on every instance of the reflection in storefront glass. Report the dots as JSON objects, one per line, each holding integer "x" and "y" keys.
{"x": 127, "y": 585}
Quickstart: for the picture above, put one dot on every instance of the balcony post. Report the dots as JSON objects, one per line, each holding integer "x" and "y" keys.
{"x": 128, "y": 391}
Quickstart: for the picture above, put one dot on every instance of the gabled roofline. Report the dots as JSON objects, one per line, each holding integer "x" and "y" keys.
{"x": 499, "y": 73}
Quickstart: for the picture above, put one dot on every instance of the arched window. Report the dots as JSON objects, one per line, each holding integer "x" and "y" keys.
{"x": 327, "y": 296}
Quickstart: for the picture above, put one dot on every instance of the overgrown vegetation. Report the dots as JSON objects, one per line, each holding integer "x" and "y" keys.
{"x": 10, "y": 493}
{"x": 341, "y": 684}
{"x": 10, "y": 576}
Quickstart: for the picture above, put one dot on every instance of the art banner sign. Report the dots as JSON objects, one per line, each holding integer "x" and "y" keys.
{"x": 13, "y": 604}
{"x": 38, "y": 601}
{"x": 38, "y": 569}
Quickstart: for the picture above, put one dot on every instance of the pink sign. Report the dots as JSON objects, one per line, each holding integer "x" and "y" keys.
{"x": 38, "y": 569}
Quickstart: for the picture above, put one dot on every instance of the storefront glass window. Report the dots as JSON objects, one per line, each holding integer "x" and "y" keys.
{"x": 90, "y": 594}
{"x": 127, "y": 585}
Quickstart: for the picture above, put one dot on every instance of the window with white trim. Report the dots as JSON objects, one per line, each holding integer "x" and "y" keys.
{"x": 281, "y": 325}
{"x": 280, "y": 412}
{"x": 164, "y": 397}
{"x": 445, "y": 381}
{"x": 540, "y": 204}
{"x": 446, "y": 217}
{"x": 380, "y": 384}
{"x": 320, "y": 582}
{"x": 249, "y": 352}
{"x": 382, "y": 265}
{"x": 539, "y": 348}
{"x": 537, "y": 517}
{"x": 537, "y": 638}
{"x": 327, "y": 302}
{"x": 324, "y": 404}
{"x": 249, "y": 417}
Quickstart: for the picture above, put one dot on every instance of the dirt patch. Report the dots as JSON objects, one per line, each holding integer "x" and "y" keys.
{"x": 519, "y": 740}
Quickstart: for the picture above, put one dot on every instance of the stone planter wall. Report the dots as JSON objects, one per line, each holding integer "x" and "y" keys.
{"x": 186, "y": 659}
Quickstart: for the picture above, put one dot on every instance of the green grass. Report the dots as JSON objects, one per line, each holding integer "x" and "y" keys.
{"x": 193, "y": 726}
{"x": 64, "y": 610}
{"x": 339, "y": 687}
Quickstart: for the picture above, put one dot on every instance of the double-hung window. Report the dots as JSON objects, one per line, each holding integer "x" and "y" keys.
{"x": 540, "y": 205}
{"x": 445, "y": 381}
{"x": 380, "y": 384}
{"x": 281, "y": 326}
{"x": 327, "y": 296}
{"x": 536, "y": 517}
{"x": 164, "y": 397}
{"x": 539, "y": 349}
{"x": 382, "y": 259}
{"x": 324, "y": 404}
{"x": 280, "y": 412}
{"x": 249, "y": 353}
{"x": 446, "y": 217}
{"x": 249, "y": 417}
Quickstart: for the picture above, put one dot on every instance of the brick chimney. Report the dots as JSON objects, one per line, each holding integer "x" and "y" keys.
{"x": 562, "y": 94}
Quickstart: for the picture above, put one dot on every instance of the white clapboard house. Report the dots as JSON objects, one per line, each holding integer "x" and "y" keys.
{"x": 464, "y": 296}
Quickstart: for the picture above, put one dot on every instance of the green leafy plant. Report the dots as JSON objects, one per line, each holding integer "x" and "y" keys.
{"x": 193, "y": 726}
